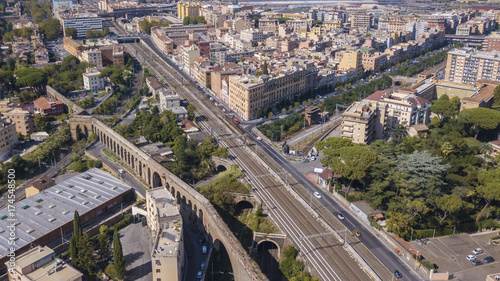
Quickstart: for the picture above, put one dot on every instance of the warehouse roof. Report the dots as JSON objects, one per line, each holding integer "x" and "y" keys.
{"x": 42, "y": 213}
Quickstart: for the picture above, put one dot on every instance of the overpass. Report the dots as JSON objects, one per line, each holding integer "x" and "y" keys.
{"x": 139, "y": 12}
{"x": 154, "y": 174}
{"x": 471, "y": 39}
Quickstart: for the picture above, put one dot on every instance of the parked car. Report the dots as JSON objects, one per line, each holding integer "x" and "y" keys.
{"x": 488, "y": 259}
{"x": 471, "y": 257}
{"x": 356, "y": 232}
{"x": 477, "y": 251}
{"x": 198, "y": 276}
{"x": 341, "y": 216}
{"x": 397, "y": 274}
{"x": 317, "y": 195}
{"x": 204, "y": 249}
{"x": 121, "y": 171}
{"x": 476, "y": 262}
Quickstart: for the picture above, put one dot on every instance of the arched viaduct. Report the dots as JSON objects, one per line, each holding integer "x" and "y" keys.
{"x": 153, "y": 173}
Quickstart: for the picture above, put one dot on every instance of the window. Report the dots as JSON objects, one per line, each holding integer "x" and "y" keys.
{"x": 157, "y": 270}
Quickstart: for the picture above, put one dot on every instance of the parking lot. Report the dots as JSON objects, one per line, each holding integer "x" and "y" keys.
{"x": 450, "y": 253}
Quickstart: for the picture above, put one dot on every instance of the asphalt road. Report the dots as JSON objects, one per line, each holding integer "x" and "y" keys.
{"x": 373, "y": 243}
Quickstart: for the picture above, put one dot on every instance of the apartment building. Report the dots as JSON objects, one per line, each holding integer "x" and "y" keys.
{"x": 8, "y": 138}
{"x": 41, "y": 56}
{"x": 248, "y": 93}
{"x": 269, "y": 24}
{"x": 62, "y": 4}
{"x": 252, "y": 35}
{"x": 463, "y": 30}
{"x": 188, "y": 28}
{"x": 467, "y": 65}
{"x": 216, "y": 18}
{"x": 299, "y": 24}
{"x": 397, "y": 24}
{"x": 41, "y": 264}
{"x": 9, "y": 103}
{"x": 93, "y": 56}
{"x": 114, "y": 55}
{"x": 189, "y": 54}
{"x": 82, "y": 23}
{"x": 92, "y": 81}
{"x": 492, "y": 42}
{"x": 361, "y": 20}
{"x": 374, "y": 117}
{"x": 218, "y": 54}
{"x": 351, "y": 61}
{"x": 74, "y": 47}
{"x": 22, "y": 119}
{"x": 49, "y": 107}
{"x": 372, "y": 61}
{"x": 188, "y": 9}
{"x": 333, "y": 24}
{"x": 165, "y": 222}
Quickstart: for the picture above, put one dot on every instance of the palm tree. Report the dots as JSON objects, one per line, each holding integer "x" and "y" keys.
{"x": 485, "y": 148}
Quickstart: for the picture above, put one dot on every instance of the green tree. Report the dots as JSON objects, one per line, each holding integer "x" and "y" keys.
{"x": 51, "y": 28}
{"x": 317, "y": 22}
{"x": 486, "y": 148}
{"x": 415, "y": 208}
{"x": 489, "y": 189}
{"x": 73, "y": 250}
{"x": 445, "y": 107}
{"x": 399, "y": 132}
{"x": 450, "y": 203}
{"x": 86, "y": 257}
{"x": 26, "y": 32}
{"x": 33, "y": 77}
{"x": 77, "y": 226}
{"x": 191, "y": 109}
{"x": 71, "y": 32}
{"x": 398, "y": 223}
{"x": 352, "y": 163}
{"x": 283, "y": 110}
{"x": 480, "y": 118}
{"x": 264, "y": 68}
{"x": 41, "y": 123}
{"x": 146, "y": 26}
{"x": 119, "y": 260}
{"x": 270, "y": 115}
{"x": 186, "y": 20}
{"x": 496, "y": 98}
{"x": 331, "y": 145}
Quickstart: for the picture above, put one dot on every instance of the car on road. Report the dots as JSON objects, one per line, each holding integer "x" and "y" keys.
{"x": 341, "y": 216}
{"x": 356, "y": 233}
{"x": 204, "y": 250}
{"x": 488, "y": 259}
{"x": 121, "y": 171}
{"x": 305, "y": 160}
{"x": 259, "y": 138}
{"x": 198, "y": 276}
{"x": 317, "y": 195}
{"x": 477, "y": 251}
{"x": 397, "y": 274}
{"x": 471, "y": 257}
{"x": 476, "y": 262}
{"x": 202, "y": 266}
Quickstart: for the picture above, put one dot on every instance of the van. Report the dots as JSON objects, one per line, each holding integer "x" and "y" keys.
{"x": 204, "y": 250}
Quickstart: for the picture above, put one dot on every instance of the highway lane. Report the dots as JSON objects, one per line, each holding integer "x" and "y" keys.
{"x": 331, "y": 206}
{"x": 324, "y": 255}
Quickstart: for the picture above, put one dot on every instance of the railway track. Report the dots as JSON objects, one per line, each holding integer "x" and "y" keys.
{"x": 324, "y": 256}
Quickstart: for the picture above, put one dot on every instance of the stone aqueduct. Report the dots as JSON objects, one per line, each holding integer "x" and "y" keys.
{"x": 153, "y": 173}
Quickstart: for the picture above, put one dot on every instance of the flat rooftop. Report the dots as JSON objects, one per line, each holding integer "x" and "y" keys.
{"x": 52, "y": 208}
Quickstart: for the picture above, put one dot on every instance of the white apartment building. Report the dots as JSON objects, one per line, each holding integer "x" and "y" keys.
{"x": 82, "y": 24}
{"x": 218, "y": 54}
{"x": 252, "y": 34}
{"x": 189, "y": 54}
{"x": 468, "y": 65}
{"x": 93, "y": 56}
{"x": 92, "y": 81}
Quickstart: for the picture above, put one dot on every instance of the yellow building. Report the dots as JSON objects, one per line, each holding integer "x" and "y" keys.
{"x": 467, "y": 66}
{"x": 358, "y": 122}
{"x": 188, "y": 9}
{"x": 352, "y": 60}
{"x": 22, "y": 119}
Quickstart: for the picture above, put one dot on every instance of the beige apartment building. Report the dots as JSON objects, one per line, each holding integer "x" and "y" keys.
{"x": 360, "y": 19}
{"x": 269, "y": 25}
{"x": 373, "y": 61}
{"x": 41, "y": 264}
{"x": 189, "y": 54}
{"x": 165, "y": 222}
{"x": 374, "y": 117}
{"x": 188, "y": 9}
{"x": 351, "y": 61}
{"x": 22, "y": 119}
{"x": 467, "y": 66}
{"x": 8, "y": 138}
{"x": 333, "y": 24}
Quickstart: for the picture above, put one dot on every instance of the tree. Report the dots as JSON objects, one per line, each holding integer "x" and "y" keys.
{"x": 185, "y": 21}
{"x": 119, "y": 260}
{"x": 41, "y": 123}
{"x": 51, "y": 28}
{"x": 77, "y": 226}
{"x": 416, "y": 207}
{"x": 352, "y": 163}
{"x": 103, "y": 250}
{"x": 399, "y": 132}
{"x": 264, "y": 68}
{"x": 480, "y": 118}
{"x": 33, "y": 77}
{"x": 26, "y": 32}
{"x": 450, "y": 203}
{"x": 444, "y": 107}
{"x": 331, "y": 145}
{"x": 317, "y": 22}
{"x": 86, "y": 257}
{"x": 486, "y": 148}
{"x": 270, "y": 115}
{"x": 71, "y": 32}
{"x": 496, "y": 98}
{"x": 489, "y": 189}
{"x": 191, "y": 109}
{"x": 73, "y": 250}
{"x": 398, "y": 223}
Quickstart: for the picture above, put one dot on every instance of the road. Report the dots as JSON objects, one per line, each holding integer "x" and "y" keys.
{"x": 324, "y": 256}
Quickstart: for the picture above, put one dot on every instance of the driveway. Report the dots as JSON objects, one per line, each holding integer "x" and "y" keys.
{"x": 137, "y": 246}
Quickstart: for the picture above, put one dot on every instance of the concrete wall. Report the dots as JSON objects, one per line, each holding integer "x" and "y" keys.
{"x": 72, "y": 108}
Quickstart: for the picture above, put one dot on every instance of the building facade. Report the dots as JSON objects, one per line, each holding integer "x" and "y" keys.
{"x": 22, "y": 119}
{"x": 8, "y": 138}
{"x": 82, "y": 24}
{"x": 92, "y": 81}
{"x": 467, "y": 65}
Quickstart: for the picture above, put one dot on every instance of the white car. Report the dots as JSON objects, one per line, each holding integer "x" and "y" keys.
{"x": 477, "y": 251}
{"x": 341, "y": 216}
{"x": 317, "y": 195}
{"x": 471, "y": 257}
{"x": 121, "y": 171}
{"x": 259, "y": 138}
{"x": 313, "y": 158}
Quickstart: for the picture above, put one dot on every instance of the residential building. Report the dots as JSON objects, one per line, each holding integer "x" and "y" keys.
{"x": 483, "y": 98}
{"x": 93, "y": 56}
{"x": 92, "y": 81}
{"x": 9, "y": 103}
{"x": 467, "y": 65}
{"x": 269, "y": 24}
{"x": 22, "y": 119}
{"x": 165, "y": 222}
{"x": 74, "y": 47}
{"x": 358, "y": 121}
{"x": 252, "y": 35}
{"x": 189, "y": 55}
{"x": 188, "y": 9}
{"x": 492, "y": 42}
{"x": 352, "y": 61}
{"x": 169, "y": 100}
{"x": 44, "y": 217}
{"x": 188, "y": 28}
{"x": 41, "y": 264}
{"x": 334, "y": 24}
{"x": 361, "y": 19}
{"x": 452, "y": 89}
{"x": 113, "y": 55}
{"x": 8, "y": 138}
{"x": 39, "y": 185}
{"x": 218, "y": 54}
{"x": 299, "y": 24}
{"x": 372, "y": 61}
{"x": 39, "y": 136}
{"x": 155, "y": 86}
{"x": 41, "y": 56}
{"x": 82, "y": 24}
{"x": 49, "y": 107}
{"x": 464, "y": 30}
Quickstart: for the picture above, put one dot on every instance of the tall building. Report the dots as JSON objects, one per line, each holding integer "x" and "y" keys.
{"x": 467, "y": 65}
{"x": 189, "y": 55}
{"x": 492, "y": 42}
{"x": 22, "y": 119}
{"x": 165, "y": 222}
{"x": 8, "y": 138}
{"x": 352, "y": 61}
{"x": 374, "y": 117}
{"x": 360, "y": 19}
{"x": 188, "y": 9}
{"x": 82, "y": 24}
{"x": 93, "y": 56}
{"x": 41, "y": 264}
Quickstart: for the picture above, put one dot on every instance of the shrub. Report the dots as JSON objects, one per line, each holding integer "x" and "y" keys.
{"x": 428, "y": 264}
{"x": 123, "y": 223}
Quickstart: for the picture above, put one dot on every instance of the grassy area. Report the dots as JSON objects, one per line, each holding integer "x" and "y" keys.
{"x": 102, "y": 94}
{"x": 110, "y": 154}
